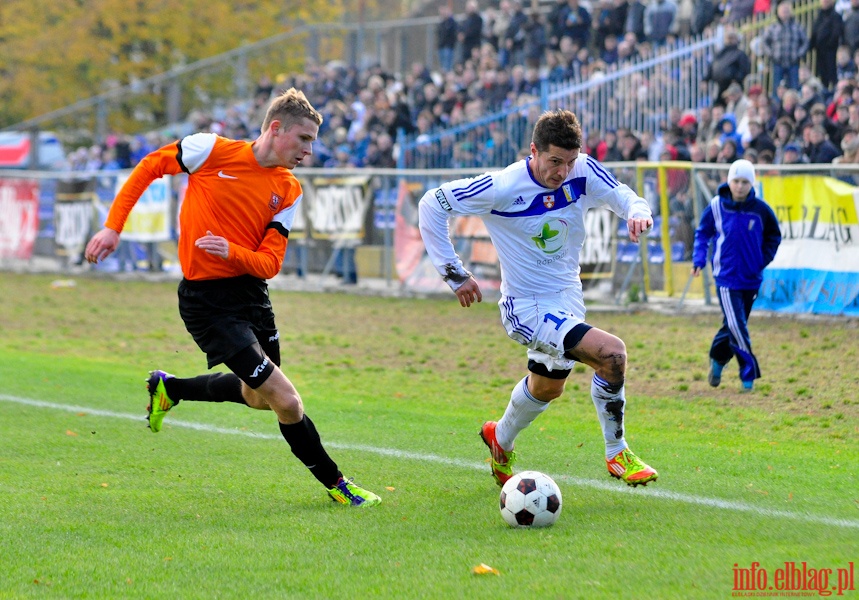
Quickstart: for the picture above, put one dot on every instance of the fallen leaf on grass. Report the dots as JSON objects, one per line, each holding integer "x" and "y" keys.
{"x": 484, "y": 569}
{"x": 103, "y": 485}
{"x": 71, "y": 433}
{"x": 390, "y": 488}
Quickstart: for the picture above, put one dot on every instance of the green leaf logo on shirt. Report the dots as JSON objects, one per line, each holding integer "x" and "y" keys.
{"x": 552, "y": 236}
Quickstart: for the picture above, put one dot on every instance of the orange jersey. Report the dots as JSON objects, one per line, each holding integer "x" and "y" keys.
{"x": 229, "y": 194}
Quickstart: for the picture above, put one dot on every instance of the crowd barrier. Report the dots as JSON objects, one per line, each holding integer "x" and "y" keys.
{"x": 363, "y": 223}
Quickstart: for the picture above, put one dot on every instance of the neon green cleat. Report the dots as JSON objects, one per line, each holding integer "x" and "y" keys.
{"x": 501, "y": 460}
{"x": 630, "y": 468}
{"x": 346, "y": 492}
{"x": 159, "y": 401}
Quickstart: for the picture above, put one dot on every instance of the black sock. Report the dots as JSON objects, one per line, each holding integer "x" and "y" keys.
{"x": 212, "y": 387}
{"x": 304, "y": 442}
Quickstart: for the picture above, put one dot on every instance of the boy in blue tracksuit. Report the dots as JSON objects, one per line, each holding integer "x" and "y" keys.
{"x": 746, "y": 235}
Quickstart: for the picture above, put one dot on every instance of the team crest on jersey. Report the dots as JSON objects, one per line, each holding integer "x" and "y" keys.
{"x": 274, "y": 202}
{"x": 549, "y": 201}
{"x": 568, "y": 193}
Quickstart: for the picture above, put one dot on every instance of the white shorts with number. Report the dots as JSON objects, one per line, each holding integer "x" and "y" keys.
{"x": 542, "y": 322}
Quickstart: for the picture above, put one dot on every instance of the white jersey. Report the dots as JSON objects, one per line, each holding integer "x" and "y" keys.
{"x": 538, "y": 232}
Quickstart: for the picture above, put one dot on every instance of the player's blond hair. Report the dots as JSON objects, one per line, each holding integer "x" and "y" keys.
{"x": 289, "y": 108}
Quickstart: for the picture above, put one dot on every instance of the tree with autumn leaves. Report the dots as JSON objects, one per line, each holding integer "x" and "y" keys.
{"x": 53, "y": 54}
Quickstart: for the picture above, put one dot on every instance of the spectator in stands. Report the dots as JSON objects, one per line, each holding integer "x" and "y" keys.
{"x": 704, "y": 13}
{"x": 783, "y": 134}
{"x": 627, "y": 51}
{"x": 631, "y": 148}
{"x": 811, "y": 93}
{"x": 851, "y": 26}
{"x": 730, "y": 65}
{"x": 789, "y": 101}
{"x": 767, "y": 158}
{"x": 688, "y": 125}
{"x": 554, "y": 70}
{"x": 611, "y": 151}
{"x": 849, "y": 156}
{"x": 826, "y": 34}
{"x": 635, "y": 20}
{"x": 730, "y": 150}
{"x": 711, "y": 151}
{"x": 842, "y": 122}
{"x": 801, "y": 118}
{"x": 609, "y": 53}
{"x": 610, "y": 21}
{"x": 740, "y": 10}
{"x": 536, "y": 39}
{"x": 446, "y": 37}
{"x": 759, "y": 138}
{"x": 659, "y": 21}
{"x": 470, "y": 34}
{"x": 845, "y": 68}
{"x": 818, "y": 117}
{"x": 735, "y": 101}
{"x": 793, "y": 155}
{"x": 574, "y": 22}
{"x": 382, "y": 153}
{"x": 512, "y": 42}
{"x": 785, "y": 43}
{"x": 821, "y": 149}
{"x": 705, "y": 125}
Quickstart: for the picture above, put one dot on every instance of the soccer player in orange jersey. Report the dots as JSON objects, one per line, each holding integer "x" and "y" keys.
{"x": 234, "y": 224}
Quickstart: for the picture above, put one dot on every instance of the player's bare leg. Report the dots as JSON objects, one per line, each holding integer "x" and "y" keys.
{"x": 606, "y": 354}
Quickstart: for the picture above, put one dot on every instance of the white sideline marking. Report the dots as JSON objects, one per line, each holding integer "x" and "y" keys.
{"x": 455, "y": 462}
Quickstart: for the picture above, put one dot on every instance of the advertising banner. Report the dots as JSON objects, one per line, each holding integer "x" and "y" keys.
{"x": 149, "y": 220}
{"x": 19, "y": 217}
{"x": 816, "y": 268}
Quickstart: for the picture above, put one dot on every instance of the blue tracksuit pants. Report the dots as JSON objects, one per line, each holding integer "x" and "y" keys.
{"x": 733, "y": 338}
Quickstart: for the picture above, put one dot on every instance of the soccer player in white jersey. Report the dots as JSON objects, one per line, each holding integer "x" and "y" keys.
{"x": 535, "y": 213}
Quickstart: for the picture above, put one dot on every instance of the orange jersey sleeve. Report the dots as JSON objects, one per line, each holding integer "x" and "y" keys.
{"x": 229, "y": 194}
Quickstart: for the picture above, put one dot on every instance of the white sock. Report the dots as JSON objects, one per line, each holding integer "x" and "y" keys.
{"x": 609, "y": 401}
{"x": 521, "y": 412}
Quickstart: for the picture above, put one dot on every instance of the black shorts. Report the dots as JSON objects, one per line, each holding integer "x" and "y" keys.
{"x": 225, "y": 316}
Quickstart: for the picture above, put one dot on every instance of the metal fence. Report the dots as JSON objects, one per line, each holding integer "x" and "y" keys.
{"x": 640, "y": 97}
{"x": 363, "y": 224}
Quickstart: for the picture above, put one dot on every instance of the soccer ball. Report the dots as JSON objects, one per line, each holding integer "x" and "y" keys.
{"x": 530, "y": 499}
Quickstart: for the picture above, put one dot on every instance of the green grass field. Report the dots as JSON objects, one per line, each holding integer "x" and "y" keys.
{"x": 93, "y": 505}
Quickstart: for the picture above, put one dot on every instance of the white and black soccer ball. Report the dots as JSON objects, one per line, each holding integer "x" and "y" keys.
{"x": 530, "y": 499}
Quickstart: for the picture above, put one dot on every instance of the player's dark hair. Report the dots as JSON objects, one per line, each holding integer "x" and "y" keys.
{"x": 289, "y": 108}
{"x": 558, "y": 128}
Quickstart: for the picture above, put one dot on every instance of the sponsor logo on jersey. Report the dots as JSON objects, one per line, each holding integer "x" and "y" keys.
{"x": 439, "y": 195}
{"x": 223, "y": 175}
{"x": 274, "y": 202}
{"x": 519, "y": 201}
{"x": 552, "y": 236}
{"x": 549, "y": 201}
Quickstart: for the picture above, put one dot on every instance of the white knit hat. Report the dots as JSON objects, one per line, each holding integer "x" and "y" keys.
{"x": 742, "y": 169}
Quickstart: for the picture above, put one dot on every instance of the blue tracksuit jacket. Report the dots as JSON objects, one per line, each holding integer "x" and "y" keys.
{"x": 746, "y": 236}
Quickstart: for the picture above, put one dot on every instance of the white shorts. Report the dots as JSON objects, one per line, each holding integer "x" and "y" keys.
{"x": 542, "y": 322}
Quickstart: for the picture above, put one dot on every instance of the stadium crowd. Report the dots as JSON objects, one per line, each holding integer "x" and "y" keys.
{"x": 494, "y": 59}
